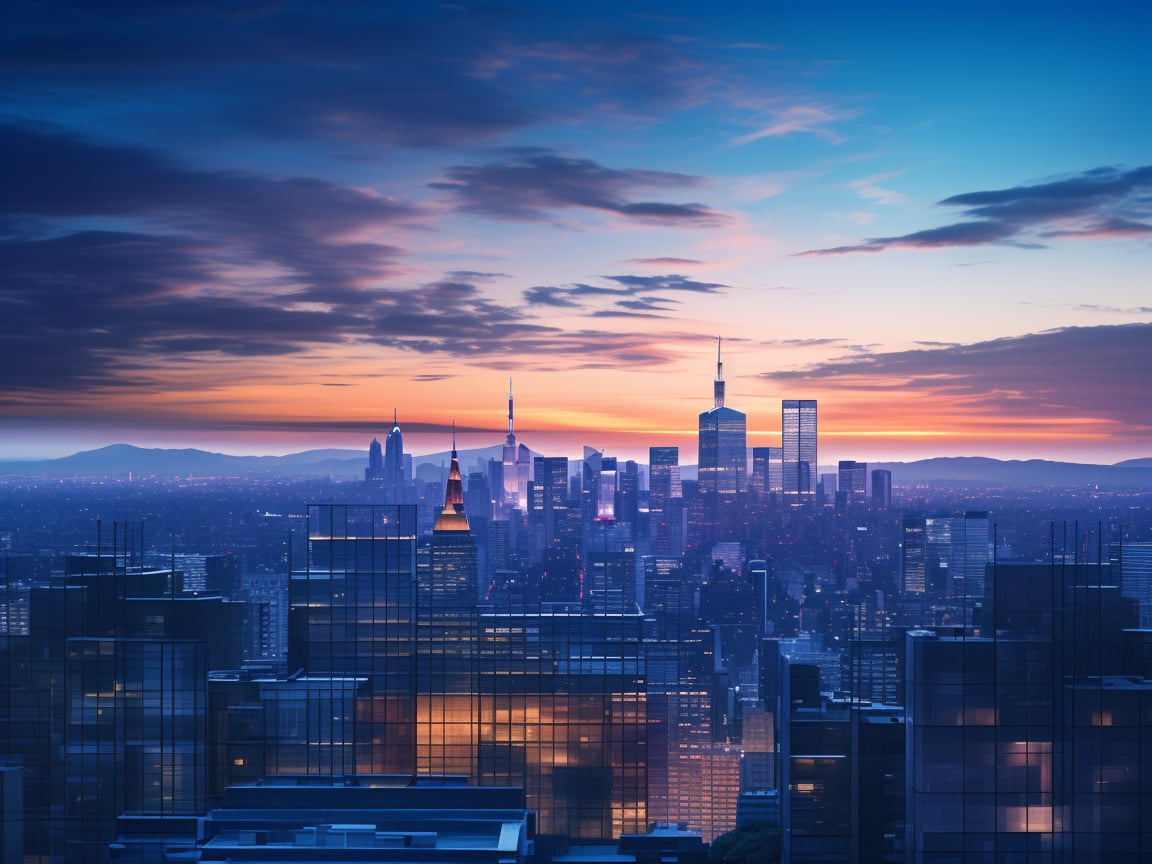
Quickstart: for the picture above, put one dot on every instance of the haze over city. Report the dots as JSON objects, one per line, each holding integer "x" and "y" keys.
{"x": 263, "y": 228}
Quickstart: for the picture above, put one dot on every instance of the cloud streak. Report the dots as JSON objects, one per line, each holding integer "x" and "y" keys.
{"x": 528, "y": 184}
{"x": 631, "y": 296}
{"x": 1100, "y": 203}
{"x": 1071, "y": 373}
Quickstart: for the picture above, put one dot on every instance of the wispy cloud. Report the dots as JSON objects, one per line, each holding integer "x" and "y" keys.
{"x": 795, "y": 119}
{"x": 528, "y": 184}
{"x": 869, "y": 189}
{"x": 1100, "y": 203}
{"x": 1072, "y": 373}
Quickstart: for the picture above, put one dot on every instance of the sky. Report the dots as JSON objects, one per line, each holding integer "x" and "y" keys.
{"x": 265, "y": 227}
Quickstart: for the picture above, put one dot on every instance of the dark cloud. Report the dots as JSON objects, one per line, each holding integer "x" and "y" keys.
{"x": 300, "y": 225}
{"x": 402, "y": 73}
{"x": 81, "y": 307}
{"x": 1076, "y": 372}
{"x": 1102, "y": 202}
{"x": 548, "y": 295}
{"x": 222, "y": 265}
{"x": 529, "y": 183}
{"x": 672, "y": 282}
{"x": 635, "y": 296}
{"x": 392, "y": 74}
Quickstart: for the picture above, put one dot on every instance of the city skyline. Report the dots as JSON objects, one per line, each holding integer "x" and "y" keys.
{"x": 933, "y": 221}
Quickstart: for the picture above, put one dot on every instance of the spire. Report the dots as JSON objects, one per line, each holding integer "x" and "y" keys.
{"x": 718, "y": 385}
{"x": 395, "y": 420}
{"x": 452, "y": 517}
{"x": 511, "y": 440}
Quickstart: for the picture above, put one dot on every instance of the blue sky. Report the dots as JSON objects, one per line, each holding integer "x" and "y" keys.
{"x": 261, "y": 227}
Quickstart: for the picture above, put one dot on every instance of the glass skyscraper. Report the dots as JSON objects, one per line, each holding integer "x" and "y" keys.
{"x": 723, "y": 457}
{"x": 798, "y": 446}
{"x": 352, "y": 616}
{"x": 563, "y": 713}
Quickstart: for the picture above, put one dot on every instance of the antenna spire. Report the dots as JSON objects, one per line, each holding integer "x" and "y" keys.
{"x": 453, "y": 437}
{"x": 718, "y": 386}
{"x": 511, "y": 435}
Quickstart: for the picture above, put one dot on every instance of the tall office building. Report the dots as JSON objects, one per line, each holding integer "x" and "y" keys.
{"x": 766, "y": 470}
{"x": 395, "y": 475}
{"x": 971, "y": 552}
{"x": 882, "y": 490}
{"x": 445, "y": 617}
{"x": 563, "y": 714}
{"x": 1024, "y": 743}
{"x": 1136, "y": 578}
{"x": 551, "y": 479}
{"x": 798, "y": 449}
{"x": 723, "y": 442}
{"x": 851, "y": 480}
{"x": 351, "y": 622}
{"x": 136, "y": 738}
{"x": 914, "y": 555}
{"x": 665, "y": 499}
{"x": 375, "y": 469}
{"x": 517, "y": 467}
{"x": 663, "y": 477}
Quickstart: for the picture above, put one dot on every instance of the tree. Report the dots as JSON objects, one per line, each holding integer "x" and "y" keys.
{"x": 754, "y": 842}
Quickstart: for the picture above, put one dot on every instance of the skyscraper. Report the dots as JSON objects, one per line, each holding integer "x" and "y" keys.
{"x": 395, "y": 479}
{"x": 563, "y": 714}
{"x": 766, "y": 477}
{"x": 517, "y": 466}
{"x": 375, "y": 469}
{"x": 882, "y": 489}
{"x": 665, "y": 498}
{"x": 351, "y": 625}
{"x": 723, "y": 456}
{"x": 914, "y": 555}
{"x": 850, "y": 486}
{"x": 448, "y": 590}
{"x": 551, "y": 479}
{"x": 798, "y": 440}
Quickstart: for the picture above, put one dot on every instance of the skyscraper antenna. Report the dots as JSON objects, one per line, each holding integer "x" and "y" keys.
{"x": 453, "y": 437}
{"x": 509, "y": 405}
{"x": 718, "y": 386}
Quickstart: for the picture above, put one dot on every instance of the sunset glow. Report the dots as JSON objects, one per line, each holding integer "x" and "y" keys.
{"x": 273, "y": 246}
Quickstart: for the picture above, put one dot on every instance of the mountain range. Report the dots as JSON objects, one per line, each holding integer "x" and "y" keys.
{"x": 123, "y": 460}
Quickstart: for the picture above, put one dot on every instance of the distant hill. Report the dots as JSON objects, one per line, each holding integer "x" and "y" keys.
{"x": 1134, "y": 463}
{"x": 120, "y": 460}
{"x": 1020, "y": 473}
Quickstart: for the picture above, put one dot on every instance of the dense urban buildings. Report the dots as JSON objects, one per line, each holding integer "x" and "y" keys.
{"x": 565, "y": 652}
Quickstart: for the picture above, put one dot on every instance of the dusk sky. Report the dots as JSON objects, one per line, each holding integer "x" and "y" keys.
{"x": 260, "y": 228}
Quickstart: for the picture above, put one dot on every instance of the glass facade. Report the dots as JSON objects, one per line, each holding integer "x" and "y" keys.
{"x": 136, "y": 736}
{"x": 563, "y": 712}
{"x": 352, "y": 616}
{"x": 798, "y": 447}
{"x": 723, "y": 457}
